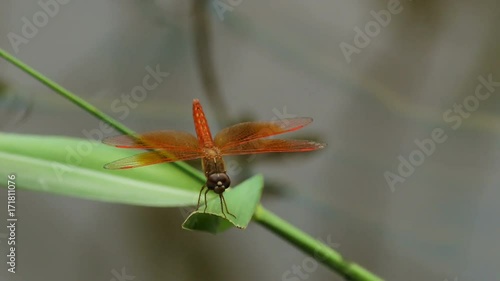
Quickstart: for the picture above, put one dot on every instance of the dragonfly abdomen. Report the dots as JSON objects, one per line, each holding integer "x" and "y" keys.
{"x": 201, "y": 125}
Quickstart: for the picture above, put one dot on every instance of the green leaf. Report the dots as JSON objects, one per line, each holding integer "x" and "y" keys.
{"x": 241, "y": 201}
{"x": 74, "y": 167}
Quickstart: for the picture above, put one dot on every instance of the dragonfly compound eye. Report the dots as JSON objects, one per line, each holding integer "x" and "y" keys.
{"x": 218, "y": 182}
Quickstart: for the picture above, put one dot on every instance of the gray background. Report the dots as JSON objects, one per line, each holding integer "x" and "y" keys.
{"x": 440, "y": 224}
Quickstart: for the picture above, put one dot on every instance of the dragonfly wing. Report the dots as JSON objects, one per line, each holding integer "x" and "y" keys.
{"x": 269, "y": 146}
{"x": 168, "y": 140}
{"x": 150, "y": 158}
{"x": 245, "y": 132}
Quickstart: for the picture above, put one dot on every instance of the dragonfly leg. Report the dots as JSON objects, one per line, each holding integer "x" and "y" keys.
{"x": 222, "y": 200}
{"x": 206, "y": 203}
{"x": 199, "y": 197}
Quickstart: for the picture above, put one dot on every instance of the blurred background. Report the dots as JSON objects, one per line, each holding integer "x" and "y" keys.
{"x": 375, "y": 75}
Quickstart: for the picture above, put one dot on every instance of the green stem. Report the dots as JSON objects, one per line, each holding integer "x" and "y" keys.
{"x": 293, "y": 235}
{"x": 313, "y": 247}
{"x": 86, "y": 106}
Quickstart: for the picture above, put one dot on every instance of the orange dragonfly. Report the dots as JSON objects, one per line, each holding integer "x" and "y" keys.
{"x": 239, "y": 139}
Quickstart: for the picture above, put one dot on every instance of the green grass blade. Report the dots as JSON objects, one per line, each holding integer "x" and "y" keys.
{"x": 74, "y": 167}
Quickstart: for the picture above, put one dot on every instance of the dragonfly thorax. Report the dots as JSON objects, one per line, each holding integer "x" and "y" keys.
{"x": 218, "y": 182}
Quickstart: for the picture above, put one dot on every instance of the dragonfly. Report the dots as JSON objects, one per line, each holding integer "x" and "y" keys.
{"x": 240, "y": 139}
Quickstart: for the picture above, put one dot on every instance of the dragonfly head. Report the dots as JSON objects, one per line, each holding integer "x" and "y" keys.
{"x": 218, "y": 182}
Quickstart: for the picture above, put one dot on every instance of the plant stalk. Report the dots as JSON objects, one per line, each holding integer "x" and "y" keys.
{"x": 86, "y": 106}
{"x": 295, "y": 236}
{"x": 316, "y": 249}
